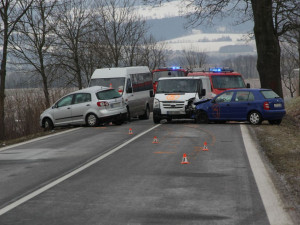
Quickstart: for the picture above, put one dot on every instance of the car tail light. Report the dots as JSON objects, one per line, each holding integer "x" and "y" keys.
{"x": 266, "y": 106}
{"x": 102, "y": 103}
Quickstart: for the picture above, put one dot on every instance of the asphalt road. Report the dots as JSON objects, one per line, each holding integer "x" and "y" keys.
{"x": 107, "y": 176}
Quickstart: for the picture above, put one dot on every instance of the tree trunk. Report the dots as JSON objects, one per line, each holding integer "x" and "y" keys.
{"x": 299, "y": 62}
{"x": 267, "y": 44}
{"x": 2, "y": 86}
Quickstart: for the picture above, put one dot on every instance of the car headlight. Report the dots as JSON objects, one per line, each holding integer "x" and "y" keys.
{"x": 156, "y": 103}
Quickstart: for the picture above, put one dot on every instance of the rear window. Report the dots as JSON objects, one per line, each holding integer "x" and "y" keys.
{"x": 108, "y": 94}
{"x": 269, "y": 94}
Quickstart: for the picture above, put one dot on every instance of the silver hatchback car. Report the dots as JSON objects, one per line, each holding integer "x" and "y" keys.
{"x": 88, "y": 106}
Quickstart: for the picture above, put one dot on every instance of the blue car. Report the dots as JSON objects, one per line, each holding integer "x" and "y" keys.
{"x": 253, "y": 105}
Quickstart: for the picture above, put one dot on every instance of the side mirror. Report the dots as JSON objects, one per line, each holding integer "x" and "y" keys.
{"x": 248, "y": 85}
{"x": 129, "y": 90}
{"x": 54, "y": 106}
{"x": 151, "y": 93}
{"x": 201, "y": 93}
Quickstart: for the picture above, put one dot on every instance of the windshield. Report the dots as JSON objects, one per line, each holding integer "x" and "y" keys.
{"x": 107, "y": 94}
{"x": 159, "y": 74}
{"x": 225, "y": 82}
{"x": 177, "y": 85}
{"x": 117, "y": 83}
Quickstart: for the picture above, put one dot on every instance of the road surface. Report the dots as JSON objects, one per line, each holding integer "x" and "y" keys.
{"x": 105, "y": 175}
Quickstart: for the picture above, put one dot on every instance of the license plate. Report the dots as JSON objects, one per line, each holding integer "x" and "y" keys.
{"x": 277, "y": 105}
{"x": 172, "y": 112}
{"x": 115, "y": 105}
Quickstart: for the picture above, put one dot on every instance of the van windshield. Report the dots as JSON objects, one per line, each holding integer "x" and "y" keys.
{"x": 177, "y": 86}
{"x": 225, "y": 82}
{"x": 117, "y": 83}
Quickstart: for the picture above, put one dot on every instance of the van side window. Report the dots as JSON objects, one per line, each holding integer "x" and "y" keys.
{"x": 141, "y": 82}
{"x": 128, "y": 85}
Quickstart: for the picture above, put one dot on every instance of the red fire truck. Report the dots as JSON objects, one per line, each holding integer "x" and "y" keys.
{"x": 174, "y": 71}
{"x": 221, "y": 79}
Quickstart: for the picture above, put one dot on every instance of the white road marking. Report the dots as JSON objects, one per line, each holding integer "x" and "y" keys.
{"x": 270, "y": 197}
{"x": 37, "y": 139}
{"x": 67, "y": 176}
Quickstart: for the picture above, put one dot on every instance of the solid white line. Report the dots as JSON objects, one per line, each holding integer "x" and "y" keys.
{"x": 37, "y": 139}
{"x": 67, "y": 176}
{"x": 270, "y": 197}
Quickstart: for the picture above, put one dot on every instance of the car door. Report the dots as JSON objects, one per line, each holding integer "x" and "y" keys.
{"x": 240, "y": 104}
{"x": 220, "y": 110}
{"x": 62, "y": 111}
{"x": 81, "y": 103}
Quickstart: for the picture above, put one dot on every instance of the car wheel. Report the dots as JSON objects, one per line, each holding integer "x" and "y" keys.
{"x": 202, "y": 117}
{"x": 48, "y": 125}
{"x": 92, "y": 120}
{"x": 146, "y": 115}
{"x": 156, "y": 119}
{"x": 254, "y": 118}
{"x": 275, "y": 122}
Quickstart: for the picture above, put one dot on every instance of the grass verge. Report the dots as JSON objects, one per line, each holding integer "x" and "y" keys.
{"x": 281, "y": 145}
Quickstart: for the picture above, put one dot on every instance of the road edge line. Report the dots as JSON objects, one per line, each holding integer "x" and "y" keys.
{"x": 70, "y": 174}
{"x": 38, "y": 139}
{"x": 270, "y": 197}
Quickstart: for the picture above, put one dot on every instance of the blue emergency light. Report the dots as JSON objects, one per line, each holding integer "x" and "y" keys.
{"x": 215, "y": 69}
{"x": 175, "y": 67}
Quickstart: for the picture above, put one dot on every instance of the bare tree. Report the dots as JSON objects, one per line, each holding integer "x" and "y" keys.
{"x": 73, "y": 22}
{"x": 193, "y": 58}
{"x": 11, "y": 12}
{"x": 120, "y": 28}
{"x": 288, "y": 65}
{"x": 152, "y": 53}
{"x": 266, "y": 28}
{"x": 32, "y": 42}
{"x": 246, "y": 65}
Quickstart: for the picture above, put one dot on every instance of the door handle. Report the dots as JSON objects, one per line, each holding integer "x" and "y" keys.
{"x": 88, "y": 105}
{"x": 228, "y": 104}
{"x": 68, "y": 108}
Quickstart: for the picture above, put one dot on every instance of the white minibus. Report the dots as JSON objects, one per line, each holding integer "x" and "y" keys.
{"x": 133, "y": 83}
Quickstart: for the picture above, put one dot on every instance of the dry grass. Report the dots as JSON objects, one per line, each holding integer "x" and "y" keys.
{"x": 22, "y": 112}
{"x": 281, "y": 144}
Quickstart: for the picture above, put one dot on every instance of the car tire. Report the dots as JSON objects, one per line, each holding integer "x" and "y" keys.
{"x": 202, "y": 117}
{"x": 92, "y": 120}
{"x": 275, "y": 122}
{"x": 146, "y": 115}
{"x": 254, "y": 118}
{"x": 156, "y": 119}
{"x": 48, "y": 124}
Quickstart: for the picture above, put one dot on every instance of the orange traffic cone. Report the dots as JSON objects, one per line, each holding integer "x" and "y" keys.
{"x": 130, "y": 131}
{"x": 205, "y": 148}
{"x": 110, "y": 86}
{"x": 184, "y": 159}
{"x": 155, "y": 140}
